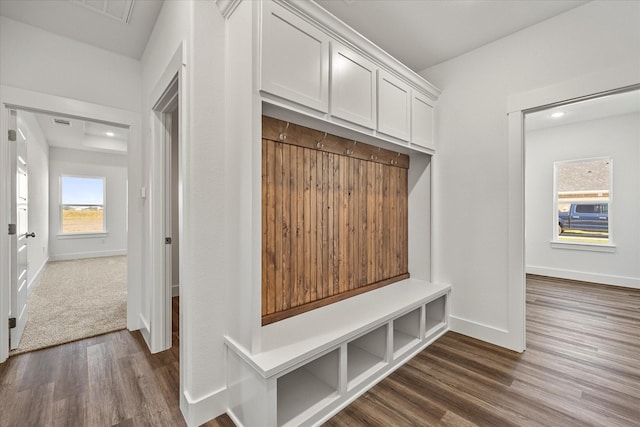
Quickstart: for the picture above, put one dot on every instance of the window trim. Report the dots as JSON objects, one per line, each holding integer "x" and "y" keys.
{"x": 66, "y": 235}
{"x": 556, "y": 243}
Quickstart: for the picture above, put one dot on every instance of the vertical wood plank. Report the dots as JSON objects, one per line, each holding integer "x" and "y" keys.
{"x": 362, "y": 222}
{"x": 299, "y": 202}
{"x": 265, "y": 230}
{"x": 332, "y": 223}
{"x": 286, "y": 227}
{"x": 269, "y": 212}
{"x": 331, "y": 235}
{"x": 277, "y": 287}
{"x": 337, "y": 188}
{"x": 320, "y": 215}
{"x": 354, "y": 238}
{"x": 309, "y": 220}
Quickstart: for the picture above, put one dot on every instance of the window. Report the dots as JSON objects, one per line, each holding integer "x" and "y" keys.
{"x": 82, "y": 205}
{"x": 582, "y": 199}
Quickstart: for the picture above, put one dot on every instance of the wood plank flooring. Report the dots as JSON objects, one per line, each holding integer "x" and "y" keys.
{"x": 581, "y": 368}
{"x": 109, "y": 380}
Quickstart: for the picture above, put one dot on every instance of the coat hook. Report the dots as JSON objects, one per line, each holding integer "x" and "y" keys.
{"x": 373, "y": 156}
{"x": 282, "y": 134}
{"x": 319, "y": 143}
{"x": 395, "y": 161}
{"x": 350, "y": 151}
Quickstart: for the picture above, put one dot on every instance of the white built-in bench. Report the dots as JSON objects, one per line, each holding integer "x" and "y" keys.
{"x": 314, "y": 364}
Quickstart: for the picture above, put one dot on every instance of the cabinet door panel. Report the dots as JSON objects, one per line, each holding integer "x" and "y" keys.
{"x": 295, "y": 59}
{"x": 394, "y": 106}
{"x": 353, "y": 87}
{"x": 421, "y": 121}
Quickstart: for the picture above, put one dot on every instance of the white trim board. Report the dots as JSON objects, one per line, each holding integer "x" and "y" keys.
{"x": 198, "y": 411}
{"x": 29, "y": 100}
{"x": 583, "y": 276}
{"x": 85, "y": 255}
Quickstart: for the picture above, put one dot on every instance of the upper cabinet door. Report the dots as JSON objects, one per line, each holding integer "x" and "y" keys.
{"x": 421, "y": 121}
{"x": 353, "y": 87}
{"x": 295, "y": 59}
{"x": 394, "y": 106}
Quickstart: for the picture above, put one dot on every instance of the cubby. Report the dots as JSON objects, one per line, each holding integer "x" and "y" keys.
{"x": 365, "y": 355}
{"x": 435, "y": 315}
{"x": 406, "y": 331}
{"x": 307, "y": 389}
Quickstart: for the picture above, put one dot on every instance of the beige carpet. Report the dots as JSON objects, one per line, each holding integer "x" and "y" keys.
{"x": 74, "y": 300}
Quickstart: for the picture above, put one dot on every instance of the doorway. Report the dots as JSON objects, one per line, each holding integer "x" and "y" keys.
{"x": 166, "y": 214}
{"x": 74, "y": 284}
{"x": 24, "y": 100}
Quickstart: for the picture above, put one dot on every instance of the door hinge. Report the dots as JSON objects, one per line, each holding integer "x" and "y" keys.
{"x": 167, "y": 240}
{"x": 12, "y": 322}
{"x": 12, "y": 229}
{"x": 12, "y": 135}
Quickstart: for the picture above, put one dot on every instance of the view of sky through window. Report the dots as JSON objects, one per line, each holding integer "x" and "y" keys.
{"x": 82, "y": 191}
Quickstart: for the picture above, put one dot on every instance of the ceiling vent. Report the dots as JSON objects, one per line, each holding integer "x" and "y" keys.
{"x": 116, "y": 9}
{"x": 61, "y": 122}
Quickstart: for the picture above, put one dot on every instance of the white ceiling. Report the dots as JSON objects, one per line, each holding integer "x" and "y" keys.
{"x": 419, "y": 33}
{"x": 75, "y": 21}
{"x": 423, "y": 33}
{"x": 83, "y": 135}
{"x": 593, "y": 109}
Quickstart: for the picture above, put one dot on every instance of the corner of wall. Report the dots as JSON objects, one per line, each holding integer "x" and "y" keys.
{"x": 198, "y": 411}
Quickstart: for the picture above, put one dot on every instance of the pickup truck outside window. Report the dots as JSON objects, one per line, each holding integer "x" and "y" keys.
{"x": 583, "y": 198}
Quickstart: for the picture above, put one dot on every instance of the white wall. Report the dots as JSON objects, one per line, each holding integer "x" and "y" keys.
{"x": 113, "y": 167}
{"x": 38, "y": 169}
{"x": 617, "y": 137}
{"x": 203, "y": 291}
{"x": 34, "y": 59}
{"x": 471, "y": 182}
{"x": 77, "y": 73}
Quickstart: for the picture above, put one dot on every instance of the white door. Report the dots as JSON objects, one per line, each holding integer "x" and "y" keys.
{"x": 19, "y": 233}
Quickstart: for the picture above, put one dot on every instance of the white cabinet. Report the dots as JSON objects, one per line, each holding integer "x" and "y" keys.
{"x": 421, "y": 121}
{"x": 353, "y": 87}
{"x": 307, "y": 373}
{"x": 295, "y": 59}
{"x": 394, "y": 106}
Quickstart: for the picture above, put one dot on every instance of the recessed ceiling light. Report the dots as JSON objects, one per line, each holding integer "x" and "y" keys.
{"x": 557, "y": 115}
{"x": 110, "y": 134}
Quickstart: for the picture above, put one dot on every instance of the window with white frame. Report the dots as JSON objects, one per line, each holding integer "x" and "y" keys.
{"x": 82, "y": 205}
{"x": 583, "y": 200}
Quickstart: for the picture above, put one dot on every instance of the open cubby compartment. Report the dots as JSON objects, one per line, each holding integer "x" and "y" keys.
{"x": 307, "y": 389}
{"x": 435, "y": 315}
{"x": 366, "y": 355}
{"x": 406, "y": 331}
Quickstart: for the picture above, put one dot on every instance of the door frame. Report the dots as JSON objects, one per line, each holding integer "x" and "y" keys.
{"x": 22, "y": 99}
{"x": 598, "y": 83}
{"x": 168, "y": 93}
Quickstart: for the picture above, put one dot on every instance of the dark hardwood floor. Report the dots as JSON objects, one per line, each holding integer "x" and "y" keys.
{"x": 581, "y": 368}
{"x": 102, "y": 381}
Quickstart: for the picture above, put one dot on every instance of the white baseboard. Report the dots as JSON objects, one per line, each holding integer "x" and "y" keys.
{"x": 198, "y": 411}
{"x": 145, "y": 330}
{"x": 235, "y": 419}
{"x": 175, "y": 290}
{"x": 627, "y": 282}
{"x": 35, "y": 280}
{"x": 83, "y": 255}
{"x": 491, "y": 334}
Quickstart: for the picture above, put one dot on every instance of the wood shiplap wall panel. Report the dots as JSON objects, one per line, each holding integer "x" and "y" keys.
{"x": 334, "y": 221}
